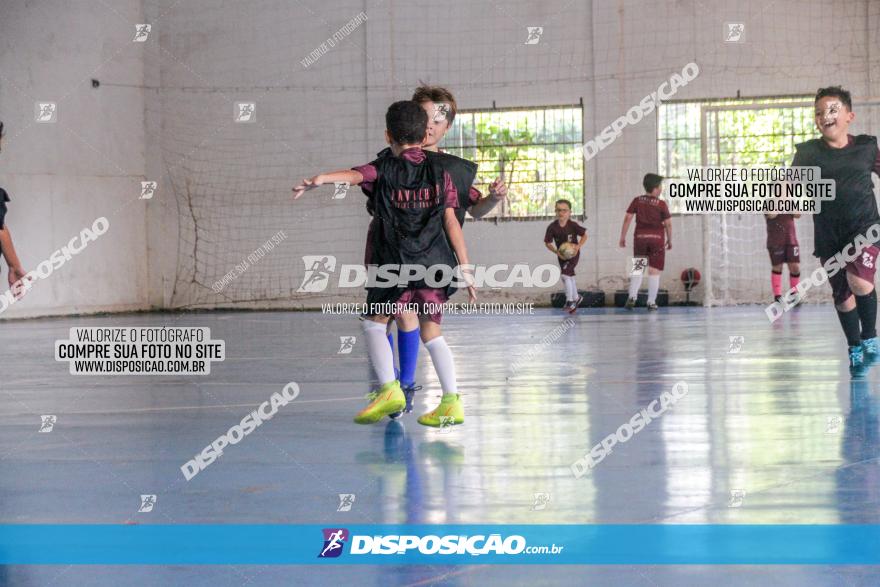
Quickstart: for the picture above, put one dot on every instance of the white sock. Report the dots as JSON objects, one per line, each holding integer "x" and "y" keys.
{"x": 381, "y": 355}
{"x": 444, "y": 364}
{"x": 570, "y": 288}
{"x": 635, "y": 282}
{"x": 653, "y": 287}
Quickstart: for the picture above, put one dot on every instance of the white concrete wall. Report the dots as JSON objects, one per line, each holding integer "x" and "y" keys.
{"x": 64, "y": 175}
{"x": 331, "y": 114}
{"x": 164, "y": 112}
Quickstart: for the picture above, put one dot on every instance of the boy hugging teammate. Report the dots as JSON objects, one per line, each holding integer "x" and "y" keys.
{"x": 565, "y": 230}
{"x": 440, "y": 106}
{"x": 782, "y": 245}
{"x": 653, "y": 235}
{"x": 413, "y": 199}
{"x": 849, "y": 161}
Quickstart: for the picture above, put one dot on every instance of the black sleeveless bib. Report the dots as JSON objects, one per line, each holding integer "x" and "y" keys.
{"x": 462, "y": 172}
{"x": 854, "y": 208}
{"x": 408, "y": 204}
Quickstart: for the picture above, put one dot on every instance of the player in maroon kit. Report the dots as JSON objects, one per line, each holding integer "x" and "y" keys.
{"x": 782, "y": 244}
{"x": 653, "y": 223}
{"x": 565, "y": 230}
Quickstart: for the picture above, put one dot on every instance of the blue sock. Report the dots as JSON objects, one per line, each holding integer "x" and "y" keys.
{"x": 391, "y": 344}
{"x": 408, "y": 350}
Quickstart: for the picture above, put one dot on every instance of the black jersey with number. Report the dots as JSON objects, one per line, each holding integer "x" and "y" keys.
{"x": 854, "y": 208}
{"x": 408, "y": 201}
{"x": 462, "y": 172}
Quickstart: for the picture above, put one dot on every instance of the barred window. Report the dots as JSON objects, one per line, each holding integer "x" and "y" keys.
{"x": 537, "y": 151}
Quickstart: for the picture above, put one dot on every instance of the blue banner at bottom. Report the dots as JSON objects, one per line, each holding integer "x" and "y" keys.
{"x": 441, "y": 544}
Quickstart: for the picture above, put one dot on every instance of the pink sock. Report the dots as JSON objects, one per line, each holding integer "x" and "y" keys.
{"x": 793, "y": 280}
{"x": 776, "y": 281}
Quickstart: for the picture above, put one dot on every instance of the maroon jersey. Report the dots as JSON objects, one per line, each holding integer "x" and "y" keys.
{"x": 650, "y": 213}
{"x": 781, "y": 231}
{"x": 570, "y": 233}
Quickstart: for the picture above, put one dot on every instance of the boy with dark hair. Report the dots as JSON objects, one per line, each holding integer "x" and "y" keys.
{"x": 413, "y": 199}
{"x": 849, "y": 161}
{"x": 16, "y": 274}
{"x": 565, "y": 230}
{"x": 441, "y": 108}
{"x": 653, "y": 223}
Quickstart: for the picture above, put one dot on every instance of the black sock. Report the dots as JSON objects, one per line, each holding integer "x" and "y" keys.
{"x": 851, "y": 329}
{"x": 867, "y": 308}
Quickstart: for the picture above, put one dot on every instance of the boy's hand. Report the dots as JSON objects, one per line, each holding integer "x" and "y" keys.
{"x": 19, "y": 282}
{"x": 668, "y": 245}
{"x": 16, "y": 273}
{"x": 306, "y": 185}
{"x": 498, "y": 189}
{"x": 467, "y": 275}
{"x": 622, "y": 243}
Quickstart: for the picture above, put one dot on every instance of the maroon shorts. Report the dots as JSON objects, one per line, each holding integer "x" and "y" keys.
{"x": 653, "y": 248}
{"x": 423, "y": 298}
{"x": 567, "y": 267}
{"x": 784, "y": 254}
{"x": 862, "y": 266}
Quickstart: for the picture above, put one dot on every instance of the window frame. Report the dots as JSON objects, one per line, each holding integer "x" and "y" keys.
{"x": 575, "y": 144}
{"x": 708, "y": 105}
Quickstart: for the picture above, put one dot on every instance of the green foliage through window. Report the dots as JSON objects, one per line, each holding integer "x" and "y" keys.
{"x": 742, "y": 132}
{"x": 535, "y": 151}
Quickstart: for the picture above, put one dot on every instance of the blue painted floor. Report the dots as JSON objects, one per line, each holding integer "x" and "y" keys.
{"x": 773, "y": 432}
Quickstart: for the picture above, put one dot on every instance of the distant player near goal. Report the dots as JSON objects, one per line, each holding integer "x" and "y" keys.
{"x": 782, "y": 245}
{"x": 653, "y": 235}
{"x": 565, "y": 231}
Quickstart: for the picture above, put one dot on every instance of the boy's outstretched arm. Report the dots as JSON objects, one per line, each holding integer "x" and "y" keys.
{"x": 456, "y": 239}
{"x": 348, "y": 176}
{"x": 627, "y": 219}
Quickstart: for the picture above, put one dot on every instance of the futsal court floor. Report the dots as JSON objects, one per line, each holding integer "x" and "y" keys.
{"x": 770, "y": 431}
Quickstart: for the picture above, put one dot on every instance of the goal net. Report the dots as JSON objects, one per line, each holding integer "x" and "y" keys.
{"x": 238, "y": 118}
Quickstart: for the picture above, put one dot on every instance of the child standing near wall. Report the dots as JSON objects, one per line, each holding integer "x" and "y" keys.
{"x": 653, "y": 235}
{"x": 565, "y": 230}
